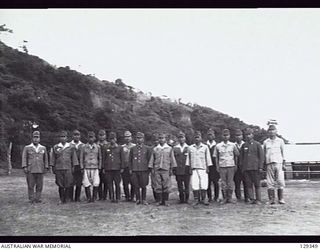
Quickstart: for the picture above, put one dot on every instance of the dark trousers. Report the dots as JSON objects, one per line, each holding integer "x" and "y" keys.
{"x": 113, "y": 178}
{"x": 183, "y": 182}
{"x": 34, "y": 181}
{"x": 238, "y": 179}
{"x": 214, "y": 177}
{"x": 77, "y": 177}
{"x": 127, "y": 184}
{"x": 140, "y": 180}
{"x": 103, "y": 188}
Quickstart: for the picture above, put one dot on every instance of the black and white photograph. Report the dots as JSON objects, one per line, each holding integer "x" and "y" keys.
{"x": 159, "y": 122}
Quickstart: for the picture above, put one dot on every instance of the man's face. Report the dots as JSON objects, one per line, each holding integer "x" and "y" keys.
{"x": 239, "y": 138}
{"x": 113, "y": 141}
{"x": 197, "y": 139}
{"x": 91, "y": 139}
{"x": 272, "y": 132}
{"x": 127, "y": 139}
{"x": 182, "y": 139}
{"x": 63, "y": 138}
{"x": 249, "y": 137}
{"x": 140, "y": 140}
{"x": 102, "y": 137}
{"x": 76, "y": 137}
{"x": 211, "y": 137}
{"x": 36, "y": 139}
{"x": 226, "y": 137}
{"x": 162, "y": 139}
{"x": 156, "y": 141}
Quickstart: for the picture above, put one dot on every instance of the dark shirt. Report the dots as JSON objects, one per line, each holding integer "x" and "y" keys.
{"x": 251, "y": 156}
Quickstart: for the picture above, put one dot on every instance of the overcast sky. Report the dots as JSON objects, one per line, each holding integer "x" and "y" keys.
{"x": 256, "y": 64}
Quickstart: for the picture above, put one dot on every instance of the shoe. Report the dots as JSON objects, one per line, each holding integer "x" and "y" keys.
{"x": 145, "y": 203}
{"x": 271, "y": 196}
{"x": 280, "y": 196}
{"x": 138, "y": 202}
{"x": 206, "y": 203}
{"x": 258, "y": 202}
{"x": 38, "y": 201}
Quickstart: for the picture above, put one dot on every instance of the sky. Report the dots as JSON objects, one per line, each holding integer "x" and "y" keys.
{"x": 254, "y": 64}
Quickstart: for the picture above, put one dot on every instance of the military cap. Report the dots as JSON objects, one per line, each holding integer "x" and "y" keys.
{"x": 197, "y": 134}
{"x": 226, "y": 131}
{"x": 91, "y": 134}
{"x": 127, "y": 133}
{"x": 238, "y": 131}
{"x": 181, "y": 134}
{"x": 102, "y": 132}
{"x": 36, "y": 133}
{"x": 76, "y": 132}
{"x": 248, "y": 131}
{"x": 140, "y": 135}
{"x": 161, "y": 134}
{"x": 112, "y": 135}
{"x": 272, "y": 127}
{"x": 210, "y": 131}
{"x": 63, "y": 133}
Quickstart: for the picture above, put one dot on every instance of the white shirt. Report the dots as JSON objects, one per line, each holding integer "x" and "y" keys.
{"x": 76, "y": 144}
{"x": 65, "y": 145}
{"x": 211, "y": 144}
{"x": 274, "y": 150}
{"x": 185, "y": 145}
{"x": 36, "y": 148}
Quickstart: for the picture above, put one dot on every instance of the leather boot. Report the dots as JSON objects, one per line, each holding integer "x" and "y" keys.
{"x": 271, "y": 196}
{"x": 71, "y": 190}
{"x": 159, "y": 199}
{"x": 280, "y": 196}
{"x": 61, "y": 191}
{"x": 164, "y": 197}
{"x": 95, "y": 193}
{"x": 196, "y": 194}
{"x": 250, "y": 194}
{"x": 77, "y": 194}
{"x": 203, "y": 198}
{"x": 229, "y": 196}
{"x": 181, "y": 197}
{"x": 209, "y": 193}
{"x": 186, "y": 197}
{"x": 138, "y": 197}
{"x": 258, "y": 196}
{"x": 88, "y": 194}
{"x": 224, "y": 195}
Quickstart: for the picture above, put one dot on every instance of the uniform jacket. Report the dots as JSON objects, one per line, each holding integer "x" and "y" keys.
{"x": 36, "y": 160}
{"x": 90, "y": 158}
{"x": 139, "y": 158}
{"x": 211, "y": 148}
{"x": 199, "y": 157}
{"x": 181, "y": 156}
{"x": 64, "y": 158}
{"x": 112, "y": 157}
{"x": 226, "y": 153}
{"x": 251, "y": 156}
{"x": 78, "y": 149}
{"x": 126, "y": 151}
{"x": 162, "y": 158}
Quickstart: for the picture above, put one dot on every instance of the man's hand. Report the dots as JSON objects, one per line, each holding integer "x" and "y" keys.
{"x": 53, "y": 170}
{"x": 121, "y": 170}
{"x": 207, "y": 170}
{"x": 260, "y": 170}
{"x": 174, "y": 171}
{"x": 25, "y": 170}
{"x": 81, "y": 170}
{"x": 130, "y": 172}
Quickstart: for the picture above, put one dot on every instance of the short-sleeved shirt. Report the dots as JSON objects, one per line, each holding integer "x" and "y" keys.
{"x": 199, "y": 157}
{"x": 274, "y": 150}
{"x": 226, "y": 152}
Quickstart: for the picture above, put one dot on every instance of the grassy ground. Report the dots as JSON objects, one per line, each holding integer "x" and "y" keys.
{"x": 17, "y": 217}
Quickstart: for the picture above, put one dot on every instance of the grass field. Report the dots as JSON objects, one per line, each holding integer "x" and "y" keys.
{"x": 18, "y": 217}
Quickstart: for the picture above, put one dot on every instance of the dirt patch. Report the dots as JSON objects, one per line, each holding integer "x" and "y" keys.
{"x": 17, "y": 217}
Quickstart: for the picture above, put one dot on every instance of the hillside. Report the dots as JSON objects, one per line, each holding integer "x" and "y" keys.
{"x": 32, "y": 90}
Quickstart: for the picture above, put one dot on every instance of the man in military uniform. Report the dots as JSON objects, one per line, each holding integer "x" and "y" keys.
{"x": 182, "y": 172}
{"x": 34, "y": 163}
{"x": 63, "y": 161}
{"x": 126, "y": 178}
{"x": 90, "y": 163}
{"x": 113, "y": 166}
{"x": 138, "y": 168}
{"x": 162, "y": 162}
{"x": 199, "y": 160}
{"x": 238, "y": 176}
{"x": 226, "y": 155}
{"x": 103, "y": 187}
{"x": 77, "y": 174}
{"x": 213, "y": 173}
{"x": 275, "y": 161}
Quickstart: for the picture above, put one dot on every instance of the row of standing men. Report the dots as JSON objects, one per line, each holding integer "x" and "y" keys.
{"x": 103, "y": 164}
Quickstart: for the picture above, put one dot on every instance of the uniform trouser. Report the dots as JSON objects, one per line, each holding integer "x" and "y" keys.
{"x": 140, "y": 180}
{"x": 238, "y": 179}
{"x": 214, "y": 177}
{"x": 275, "y": 176}
{"x": 183, "y": 182}
{"x": 34, "y": 181}
{"x": 91, "y": 178}
{"x": 77, "y": 177}
{"x": 227, "y": 175}
{"x": 127, "y": 184}
{"x": 113, "y": 177}
{"x": 199, "y": 179}
{"x": 103, "y": 187}
{"x": 162, "y": 181}
{"x": 252, "y": 179}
